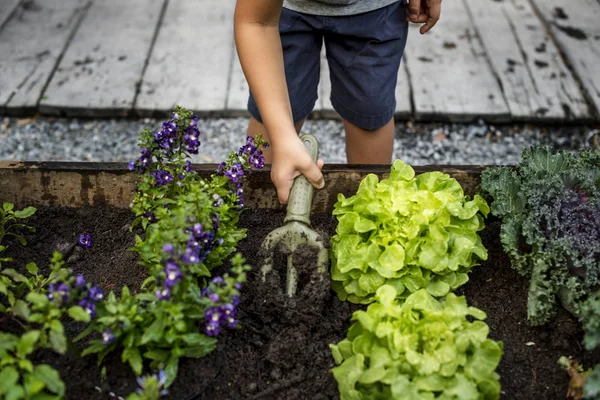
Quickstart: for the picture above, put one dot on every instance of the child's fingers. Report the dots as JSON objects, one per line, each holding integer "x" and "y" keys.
{"x": 314, "y": 175}
{"x": 414, "y": 9}
{"x": 418, "y": 19}
{"x": 433, "y": 11}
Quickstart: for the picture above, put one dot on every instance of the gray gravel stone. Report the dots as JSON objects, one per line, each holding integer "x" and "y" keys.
{"x": 52, "y": 139}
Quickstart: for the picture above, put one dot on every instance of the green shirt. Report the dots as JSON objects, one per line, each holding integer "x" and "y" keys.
{"x": 335, "y": 7}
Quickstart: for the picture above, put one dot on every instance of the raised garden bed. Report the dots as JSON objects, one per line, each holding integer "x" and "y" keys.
{"x": 281, "y": 350}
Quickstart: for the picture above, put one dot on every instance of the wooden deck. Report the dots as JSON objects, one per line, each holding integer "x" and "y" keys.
{"x": 497, "y": 60}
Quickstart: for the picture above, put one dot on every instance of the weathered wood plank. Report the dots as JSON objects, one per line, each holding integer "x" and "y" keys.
{"x": 30, "y": 45}
{"x": 403, "y": 103}
{"x": 238, "y": 90}
{"x": 450, "y": 75}
{"x": 575, "y": 27}
{"x": 7, "y": 7}
{"x": 100, "y": 71}
{"x": 189, "y": 65}
{"x": 536, "y": 82}
{"x": 324, "y": 108}
{"x": 72, "y": 184}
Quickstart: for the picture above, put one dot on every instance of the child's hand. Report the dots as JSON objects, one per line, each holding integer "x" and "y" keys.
{"x": 290, "y": 159}
{"x": 427, "y": 11}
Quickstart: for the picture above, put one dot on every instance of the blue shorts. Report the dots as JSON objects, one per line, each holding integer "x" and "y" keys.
{"x": 363, "y": 53}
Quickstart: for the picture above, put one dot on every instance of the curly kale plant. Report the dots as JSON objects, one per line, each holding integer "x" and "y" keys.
{"x": 550, "y": 210}
{"x": 406, "y": 231}
{"x": 420, "y": 349}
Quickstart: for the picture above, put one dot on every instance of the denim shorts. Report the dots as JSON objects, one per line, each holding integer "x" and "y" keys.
{"x": 363, "y": 53}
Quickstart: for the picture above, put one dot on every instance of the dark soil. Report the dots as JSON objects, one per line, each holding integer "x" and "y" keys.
{"x": 281, "y": 351}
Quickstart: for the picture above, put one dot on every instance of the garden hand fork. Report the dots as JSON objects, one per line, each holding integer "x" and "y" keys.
{"x": 296, "y": 230}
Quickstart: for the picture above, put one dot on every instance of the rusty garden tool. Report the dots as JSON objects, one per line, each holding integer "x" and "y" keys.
{"x": 296, "y": 230}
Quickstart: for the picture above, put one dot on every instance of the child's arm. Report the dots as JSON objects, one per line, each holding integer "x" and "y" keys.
{"x": 256, "y": 25}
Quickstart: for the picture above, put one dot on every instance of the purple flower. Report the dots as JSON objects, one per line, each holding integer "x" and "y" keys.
{"x": 256, "y": 159}
{"x": 218, "y": 281}
{"x": 163, "y": 294}
{"x": 235, "y": 173}
{"x": 143, "y": 382}
{"x": 173, "y": 273}
{"x": 144, "y": 160}
{"x": 215, "y": 220}
{"x": 107, "y": 336}
{"x": 238, "y": 286}
{"x": 96, "y": 293}
{"x": 232, "y": 323}
{"x": 151, "y": 217}
{"x": 131, "y": 165}
{"x": 79, "y": 281}
{"x": 235, "y": 300}
{"x": 191, "y": 140}
{"x": 248, "y": 148}
{"x": 194, "y": 121}
{"x": 188, "y": 166}
{"x": 212, "y": 317}
{"x": 85, "y": 240}
{"x": 190, "y": 256}
{"x": 218, "y": 201}
{"x": 175, "y": 116}
{"x": 213, "y": 297}
{"x": 59, "y": 289}
{"x": 221, "y": 168}
{"x": 239, "y": 192}
{"x": 228, "y": 310}
{"x": 168, "y": 248}
{"x": 197, "y": 230}
{"x": 88, "y": 306}
{"x": 212, "y": 329}
{"x": 162, "y": 178}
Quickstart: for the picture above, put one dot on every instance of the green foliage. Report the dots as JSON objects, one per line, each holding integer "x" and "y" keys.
{"x": 591, "y": 387}
{"x": 420, "y": 350}
{"x": 32, "y": 304}
{"x": 405, "y": 231}
{"x": 189, "y": 228}
{"x": 155, "y": 334}
{"x": 550, "y": 210}
{"x": 11, "y": 224}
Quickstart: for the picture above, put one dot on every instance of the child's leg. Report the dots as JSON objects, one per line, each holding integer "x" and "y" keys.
{"x": 369, "y": 147}
{"x": 255, "y": 128}
{"x": 364, "y": 53}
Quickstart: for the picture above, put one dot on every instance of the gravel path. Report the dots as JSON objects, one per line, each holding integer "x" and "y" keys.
{"x": 50, "y": 139}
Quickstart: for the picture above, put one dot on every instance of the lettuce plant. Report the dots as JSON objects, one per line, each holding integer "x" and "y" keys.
{"x": 405, "y": 231}
{"x": 418, "y": 349}
{"x": 550, "y": 210}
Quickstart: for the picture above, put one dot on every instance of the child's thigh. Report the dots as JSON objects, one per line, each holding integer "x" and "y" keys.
{"x": 364, "y": 53}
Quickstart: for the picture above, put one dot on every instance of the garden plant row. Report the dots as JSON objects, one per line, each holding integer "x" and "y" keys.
{"x": 403, "y": 246}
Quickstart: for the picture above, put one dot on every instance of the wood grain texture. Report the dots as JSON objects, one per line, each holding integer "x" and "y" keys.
{"x": 30, "y": 45}
{"x": 7, "y": 7}
{"x": 450, "y": 75}
{"x": 537, "y": 84}
{"x": 576, "y": 28}
{"x": 100, "y": 71}
{"x": 189, "y": 65}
